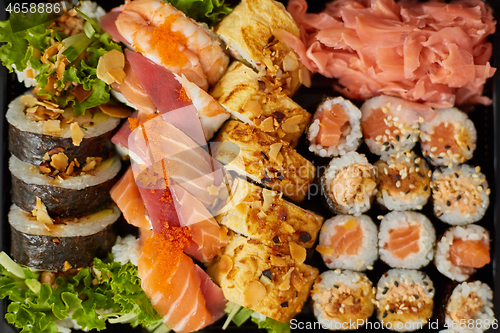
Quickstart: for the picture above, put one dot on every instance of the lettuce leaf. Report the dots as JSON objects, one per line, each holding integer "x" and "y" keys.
{"x": 239, "y": 315}
{"x": 208, "y": 11}
{"x": 23, "y": 48}
{"x": 105, "y": 292}
{"x": 271, "y": 325}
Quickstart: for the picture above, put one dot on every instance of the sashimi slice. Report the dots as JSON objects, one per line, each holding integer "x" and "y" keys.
{"x": 160, "y": 207}
{"x": 160, "y": 84}
{"x": 214, "y": 297}
{"x": 127, "y": 197}
{"x": 469, "y": 253}
{"x": 347, "y": 238}
{"x": 133, "y": 92}
{"x": 108, "y": 24}
{"x": 212, "y": 115}
{"x": 404, "y": 241}
{"x": 208, "y": 238}
{"x": 172, "y": 282}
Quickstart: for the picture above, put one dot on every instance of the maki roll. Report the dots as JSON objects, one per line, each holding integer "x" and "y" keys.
{"x": 335, "y": 128}
{"x": 406, "y": 240}
{"x": 462, "y": 250}
{"x": 254, "y": 100}
{"x": 460, "y": 194}
{"x": 403, "y": 181}
{"x": 264, "y": 215}
{"x": 449, "y": 139}
{"x": 349, "y": 184}
{"x": 256, "y": 277}
{"x": 404, "y": 299}
{"x": 59, "y": 245}
{"x": 391, "y": 124}
{"x": 348, "y": 242}
{"x": 468, "y": 307}
{"x": 341, "y": 298}
{"x": 264, "y": 159}
{"x": 37, "y": 128}
{"x": 84, "y": 191}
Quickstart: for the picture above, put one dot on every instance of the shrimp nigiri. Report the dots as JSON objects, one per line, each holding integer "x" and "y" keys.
{"x": 165, "y": 35}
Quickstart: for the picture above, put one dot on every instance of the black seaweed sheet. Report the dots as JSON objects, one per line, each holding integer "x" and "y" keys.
{"x": 487, "y": 155}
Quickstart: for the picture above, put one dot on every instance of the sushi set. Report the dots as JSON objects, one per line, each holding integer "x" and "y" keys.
{"x": 342, "y": 209}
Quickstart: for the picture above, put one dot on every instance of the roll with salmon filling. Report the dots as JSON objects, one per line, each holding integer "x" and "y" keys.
{"x": 349, "y": 184}
{"x": 335, "y": 128}
{"x": 469, "y": 308}
{"x": 404, "y": 299}
{"x": 341, "y": 297}
{"x": 406, "y": 240}
{"x": 449, "y": 139}
{"x": 460, "y": 194}
{"x": 348, "y": 242}
{"x": 403, "y": 181}
{"x": 462, "y": 250}
{"x": 391, "y": 124}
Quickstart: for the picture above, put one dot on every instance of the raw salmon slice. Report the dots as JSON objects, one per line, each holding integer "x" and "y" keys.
{"x": 125, "y": 194}
{"x": 331, "y": 123}
{"x": 375, "y": 125}
{"x": 443, "y": 139}
{"x": 347, "y": 238}
{"x": 469, "y": 253}
{"x": 404, "y": 241}
{"x": 171, "y": 280}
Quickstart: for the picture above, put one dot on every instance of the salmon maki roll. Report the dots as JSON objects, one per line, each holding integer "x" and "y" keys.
{"x": 403, "y": 181}
{"x": 468, "y": 307}
{"x": 335, "y": 128}
{"x": 460, "y": 194}
{"x": 349, "y": 184}
{"x": 462, "y": 250}
{"x": 341, "y": 298}
{"x": 406, "y": 240}
{"x": 449, "y": 139}
{"x": 391, "y": 124}
{"x": 404, "y": 299}
{"x": 348, "y": 242}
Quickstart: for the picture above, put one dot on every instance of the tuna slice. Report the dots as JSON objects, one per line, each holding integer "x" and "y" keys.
{"x": 108, "y": 24}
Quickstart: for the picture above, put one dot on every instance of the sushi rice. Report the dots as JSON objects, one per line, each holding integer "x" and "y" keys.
{"x": 404, "y": 299}
{"x": 469, "y": 309}
{"x": 342, "y": 299}
{"x": 349, "y": 184}
{"x": 350, "y": 137}
{"x": 460, "y": 194}
{"x": 462, "y": 140}
{"x": 442, "y": 260}
{"x": 419, "y": 252}
{"x": 403, "y": 181}
{"x": 358, "y": 253}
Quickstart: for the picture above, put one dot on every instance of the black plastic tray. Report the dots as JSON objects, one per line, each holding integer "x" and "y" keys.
{"x": 487, "y": 155}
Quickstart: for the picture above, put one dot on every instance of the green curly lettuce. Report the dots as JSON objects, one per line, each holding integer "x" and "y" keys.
{"x": 23, "y": 49}
{"x": 109, "y": 291}
{"x": 208, "y": 11}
